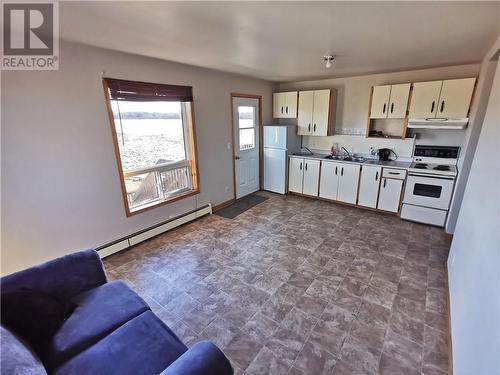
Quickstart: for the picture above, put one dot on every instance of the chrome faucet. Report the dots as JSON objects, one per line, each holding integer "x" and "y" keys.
{"x": 348, "y": 153}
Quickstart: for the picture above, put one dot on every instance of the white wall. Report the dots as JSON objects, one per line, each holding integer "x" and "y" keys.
{"x": 471, "y": 136}
{"x": 474, "y": 261}
{"x": 60, "y": 183}
{"x": 353, "y": 95}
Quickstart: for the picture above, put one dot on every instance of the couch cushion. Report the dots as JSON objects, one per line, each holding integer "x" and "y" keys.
{"x": 34, "y": 315}
{"x": 98, "y": 312}
{"x": 142, "y": 346}
{"x": 16, "y": 357}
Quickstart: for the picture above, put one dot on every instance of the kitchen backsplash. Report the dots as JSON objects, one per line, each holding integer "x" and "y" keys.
{"x": 360, "y": 144}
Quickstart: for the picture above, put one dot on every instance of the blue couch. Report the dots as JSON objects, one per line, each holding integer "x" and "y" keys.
{"x": 110, "y": 329}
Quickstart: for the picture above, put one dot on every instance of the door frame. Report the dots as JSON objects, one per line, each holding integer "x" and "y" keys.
{"x": 261, "y": 147}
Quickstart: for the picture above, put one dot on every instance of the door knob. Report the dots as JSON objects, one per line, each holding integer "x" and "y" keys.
{"x": 237, "y": 157}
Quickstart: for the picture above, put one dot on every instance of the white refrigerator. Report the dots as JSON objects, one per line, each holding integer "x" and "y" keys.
{"x": 279, "y": 142}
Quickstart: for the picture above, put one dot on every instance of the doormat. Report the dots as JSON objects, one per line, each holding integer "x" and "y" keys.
{"x": 240, "y": 206}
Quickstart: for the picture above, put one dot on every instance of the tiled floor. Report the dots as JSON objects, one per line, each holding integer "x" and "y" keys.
{"x": 298, "y": 286}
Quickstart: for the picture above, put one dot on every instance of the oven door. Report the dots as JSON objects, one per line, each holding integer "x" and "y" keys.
{"x": 434, "y": 192}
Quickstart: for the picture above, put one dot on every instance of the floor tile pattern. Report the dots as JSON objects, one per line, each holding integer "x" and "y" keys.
{"x": 298, "y": 286}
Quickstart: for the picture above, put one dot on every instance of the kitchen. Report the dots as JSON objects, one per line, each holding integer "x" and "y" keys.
{"x": 381, "y": 130}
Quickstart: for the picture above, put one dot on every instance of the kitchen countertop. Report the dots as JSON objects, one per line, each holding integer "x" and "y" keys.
{"x": 382, "y": 163}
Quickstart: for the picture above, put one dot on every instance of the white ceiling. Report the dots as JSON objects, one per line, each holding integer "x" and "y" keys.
{"x": 285, "y": 41}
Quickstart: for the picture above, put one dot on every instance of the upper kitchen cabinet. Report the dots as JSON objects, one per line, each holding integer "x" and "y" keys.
{"x": 315, "y": 113}
{"x": 285, "y": 104}
{"x": 390, "y": 101}
{"x": 442, "y": 99}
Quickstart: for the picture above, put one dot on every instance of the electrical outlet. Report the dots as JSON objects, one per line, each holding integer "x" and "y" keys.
{"x": 227, "y": 189}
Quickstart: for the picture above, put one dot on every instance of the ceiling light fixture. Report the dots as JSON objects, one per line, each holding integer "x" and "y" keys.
{"x": 328, "y": 61}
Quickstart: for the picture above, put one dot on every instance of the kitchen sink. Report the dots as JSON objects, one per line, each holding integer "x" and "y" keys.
{"x": 356, "y": 159}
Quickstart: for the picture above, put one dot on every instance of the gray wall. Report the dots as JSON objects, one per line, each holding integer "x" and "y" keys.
{"x": 60, "y": 183}
{"x": 474, "y": 261}
{"x": 472, "y": 132}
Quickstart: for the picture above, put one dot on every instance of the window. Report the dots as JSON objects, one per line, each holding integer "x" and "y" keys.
{"x": 153, "y": 133}
{"x": 246, "y": 123}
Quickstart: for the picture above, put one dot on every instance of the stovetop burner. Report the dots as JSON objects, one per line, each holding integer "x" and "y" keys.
{"x": 442, "y": 168}
{"x": 421, "y": 165}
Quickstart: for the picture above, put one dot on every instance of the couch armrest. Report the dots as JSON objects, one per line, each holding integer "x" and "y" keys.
{"x": 63, "y": 277}
{"x": 204, "y": 358}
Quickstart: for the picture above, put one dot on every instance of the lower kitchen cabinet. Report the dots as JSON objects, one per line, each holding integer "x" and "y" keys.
{"x": 390, "y": 194}
{"x": 303, "y": 176}
{"x": 348, "y": 183}
{"x": 311, "y": 177}
{"x": 295, "y": 175}
{"x": 339, "y": 181}
{"x": 369, "y": 185}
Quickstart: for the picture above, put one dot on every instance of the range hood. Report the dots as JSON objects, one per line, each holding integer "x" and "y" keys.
{"x": 438, "y": 123}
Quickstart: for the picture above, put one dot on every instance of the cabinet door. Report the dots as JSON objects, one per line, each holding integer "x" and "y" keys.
{"x": 295, "y": 175}
{"x": 304, "y": 122}
{"x": 278, "y": 105}
{"x": 290, "y": 102}
{"x": 348, "y": 183}
{"x": 321, "y": 111}
{"x": 380, "y": 101}
{"x": 368, "y": 186}
{"x": 390, "y": 194}
{"x": 398, "y": 103}
{"x": 329, "y": 181}
{"x": 456, "y": 95}
{"x": 424, "y": 99}
{"x": 311, "y": 177}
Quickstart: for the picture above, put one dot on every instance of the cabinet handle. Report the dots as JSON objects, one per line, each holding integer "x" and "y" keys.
{"x": 309, "y": 127}
{"x": 281, "y": 109}
{"x": 336, "y": 171}
{"x": 442, "y": 106}
{"x": 394, "y": 173}
{"x": 314, "y": 130}
{"x": 306, "y": 166}
{"x": 385, "y": 182}
{"x": 286, "y": 110}
{"x": 383, "y": 110}
{"x": 432, "y": 106}
{"x": 376, "y": 176}
{"x": 392, "y": 107}
{"x": 342, "y": 171}
{"x": 300, "y": 166}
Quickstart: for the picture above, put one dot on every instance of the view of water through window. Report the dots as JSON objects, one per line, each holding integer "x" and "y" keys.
{"x": 148, "y": 133}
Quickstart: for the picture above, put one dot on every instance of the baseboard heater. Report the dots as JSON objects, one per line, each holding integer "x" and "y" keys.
{"x": 152, "y": 231}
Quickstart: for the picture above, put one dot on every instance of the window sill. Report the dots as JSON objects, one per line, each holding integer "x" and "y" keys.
{"x": 156, "y": 204}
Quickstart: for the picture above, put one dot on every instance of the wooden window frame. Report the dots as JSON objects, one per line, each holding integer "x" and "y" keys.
{"x": 189, "y": 143}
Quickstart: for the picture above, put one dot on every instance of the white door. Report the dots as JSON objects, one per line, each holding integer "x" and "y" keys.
{"x": 275, "y": 165}
{"x": 311, "y": 177}
{"x": 305, "y": 116}
{"x": 398, "y": 103}
{"x": 424, "y": 99}
{"x": 368, "y": 186}
{"x": 348, "y": 183}
{"x": 321, "y": 110}
{"x": 380, "y": 101}
{"x": 329, "y": 180}
{"x": 275, "y": 136}
{"x": 246, "y": 145}
{"x": 290, "y": 102}
{"x": 295, "y": 175}
{"x": 456, "y": 95}
{"x": 390, "y": 194}
{"x": 278, "y": 105}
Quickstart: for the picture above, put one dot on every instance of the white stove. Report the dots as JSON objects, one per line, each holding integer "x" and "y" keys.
{"x": 430, "y": 183}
